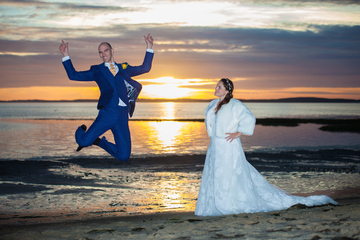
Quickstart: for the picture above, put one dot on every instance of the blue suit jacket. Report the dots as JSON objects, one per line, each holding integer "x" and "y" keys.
{"x": 109, "y": 85}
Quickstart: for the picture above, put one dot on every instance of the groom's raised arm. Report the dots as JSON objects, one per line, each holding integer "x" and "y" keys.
{"x": 146, "y": 65}
{"x": 69, "y": 68}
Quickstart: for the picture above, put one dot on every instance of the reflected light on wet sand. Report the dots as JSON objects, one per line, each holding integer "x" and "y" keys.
{"x": 174, "y": 192}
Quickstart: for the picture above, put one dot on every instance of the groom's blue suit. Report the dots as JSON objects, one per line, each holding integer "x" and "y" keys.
{"x": 111, "y": 115}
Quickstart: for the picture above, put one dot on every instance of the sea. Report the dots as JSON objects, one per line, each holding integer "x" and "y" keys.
{"x": 45, "y": 130}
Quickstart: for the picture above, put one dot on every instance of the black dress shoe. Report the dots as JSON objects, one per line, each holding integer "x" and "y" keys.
{"x": 97, "y": 141}
{"x": 80, "y": 147}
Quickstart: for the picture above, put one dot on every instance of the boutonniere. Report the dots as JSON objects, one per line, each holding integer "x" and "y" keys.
{"x": 124, "y": 65}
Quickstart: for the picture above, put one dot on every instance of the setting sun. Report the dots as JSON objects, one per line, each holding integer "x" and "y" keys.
{"x": 171, "y": 88}
{"x": 170, "y": 91}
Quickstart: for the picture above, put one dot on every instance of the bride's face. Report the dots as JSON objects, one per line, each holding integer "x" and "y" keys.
{"x": 220, "y": 90}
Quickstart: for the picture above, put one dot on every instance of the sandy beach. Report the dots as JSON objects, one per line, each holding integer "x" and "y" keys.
{"x": 323, "y": 222}
{"x": 155, "y": 198}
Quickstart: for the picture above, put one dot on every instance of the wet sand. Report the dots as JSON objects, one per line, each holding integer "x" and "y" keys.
{"x": 298, "y": 222}
{"x": 155, "y": 198}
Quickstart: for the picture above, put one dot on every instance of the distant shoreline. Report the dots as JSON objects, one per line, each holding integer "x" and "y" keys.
{"x": 281, "y": 100}
{"x": 330, "y": 125}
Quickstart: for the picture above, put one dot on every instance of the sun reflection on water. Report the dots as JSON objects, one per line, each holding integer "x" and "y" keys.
{"x": 169, "y": 110}
{"x": 166, "y": 134}
{"x": 168, "y": 137}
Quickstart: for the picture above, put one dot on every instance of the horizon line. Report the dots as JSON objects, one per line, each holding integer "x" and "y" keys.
{"x": 294, "y": 99}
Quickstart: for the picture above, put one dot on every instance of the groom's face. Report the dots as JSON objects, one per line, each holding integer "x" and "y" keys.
{"x": 106, "y": 53}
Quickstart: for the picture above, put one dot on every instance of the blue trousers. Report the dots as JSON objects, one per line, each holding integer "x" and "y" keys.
{"x": 111, "y": 117}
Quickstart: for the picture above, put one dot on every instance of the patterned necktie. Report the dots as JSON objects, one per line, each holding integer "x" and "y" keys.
{"x": 112, "y": 69}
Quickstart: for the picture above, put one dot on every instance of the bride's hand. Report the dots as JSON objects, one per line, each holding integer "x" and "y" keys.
{"x": 232, "y": 136}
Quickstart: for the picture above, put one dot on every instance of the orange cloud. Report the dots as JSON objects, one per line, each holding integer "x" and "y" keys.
{"x": 49, "y": 93}
{"x": 346, "y": 93}
{"x": 173, "y": 90}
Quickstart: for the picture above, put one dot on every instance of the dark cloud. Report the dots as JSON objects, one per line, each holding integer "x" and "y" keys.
{"x": 66, "y": 6}
{"x": 264, "y": 58}
{"x": 83, "y": 7}
{"x": 21, "y": 2}
{"x": 299, "y": 2}
{"x": 280, "y": 2}
{"x": 339, "y": 2}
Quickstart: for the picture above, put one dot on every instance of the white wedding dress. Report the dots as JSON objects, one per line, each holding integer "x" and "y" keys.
{"x": 231, "y": 185}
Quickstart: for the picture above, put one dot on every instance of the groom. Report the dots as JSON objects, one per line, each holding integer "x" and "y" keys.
{"x": 117, "y": 98}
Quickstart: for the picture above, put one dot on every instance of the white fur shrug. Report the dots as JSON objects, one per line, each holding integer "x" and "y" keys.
{"x": 232, "y": 117}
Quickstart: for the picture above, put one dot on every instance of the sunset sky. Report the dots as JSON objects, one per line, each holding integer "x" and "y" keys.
{"x": 270, "y": 49}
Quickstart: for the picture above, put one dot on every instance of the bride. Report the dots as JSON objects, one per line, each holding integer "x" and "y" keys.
{"x": 230, "y": 185}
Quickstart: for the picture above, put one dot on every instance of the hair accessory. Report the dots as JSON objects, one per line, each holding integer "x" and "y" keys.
{"x": 228, "y": 83}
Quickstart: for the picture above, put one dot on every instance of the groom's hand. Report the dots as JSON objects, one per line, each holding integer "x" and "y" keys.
{"x": 149, "y": 41}
{"x": 64, "y": 49}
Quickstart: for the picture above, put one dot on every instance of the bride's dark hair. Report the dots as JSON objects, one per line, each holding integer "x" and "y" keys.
{"x": 228, "y": 84}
